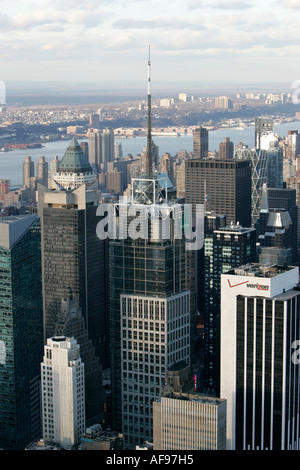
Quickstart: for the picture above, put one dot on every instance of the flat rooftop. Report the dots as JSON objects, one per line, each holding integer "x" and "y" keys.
{"x": 234, "y": 228}
{"x": 260, "y": 270}
{"x": 194, "y": 397}
{"x": 12, "y": 218}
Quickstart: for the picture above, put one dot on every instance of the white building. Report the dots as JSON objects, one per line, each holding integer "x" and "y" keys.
{"x": 259, "y": 378}
{"x": 264, "y": 132}
{"x": 185, "y": 421}
{"x": 63, "y": 392}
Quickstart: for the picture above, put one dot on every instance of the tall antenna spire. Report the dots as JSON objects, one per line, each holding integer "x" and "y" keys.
{"x": 149, "y": 161}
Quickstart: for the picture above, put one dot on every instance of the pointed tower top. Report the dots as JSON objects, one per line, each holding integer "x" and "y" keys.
{"x": 74, "y": 160}
{"x": 149, "y": 160}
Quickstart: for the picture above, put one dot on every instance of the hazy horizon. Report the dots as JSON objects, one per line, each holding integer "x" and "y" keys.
{"x": 69, "y": 88}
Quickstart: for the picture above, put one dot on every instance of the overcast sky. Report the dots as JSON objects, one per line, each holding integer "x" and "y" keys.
{"x": 203, "y": 41}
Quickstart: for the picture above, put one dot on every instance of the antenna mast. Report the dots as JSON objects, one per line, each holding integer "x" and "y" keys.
{"x": 149, "y": 164}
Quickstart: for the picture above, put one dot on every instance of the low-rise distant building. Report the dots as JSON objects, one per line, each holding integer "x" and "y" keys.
{"x": 41, "y": 444}
{"x": 95, "y": 438}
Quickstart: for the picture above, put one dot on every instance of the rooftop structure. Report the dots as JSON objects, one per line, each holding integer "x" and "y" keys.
{"x": 74, "y": 168}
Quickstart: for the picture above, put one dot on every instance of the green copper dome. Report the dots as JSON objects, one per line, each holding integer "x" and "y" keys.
{"x": 74, "y": 160}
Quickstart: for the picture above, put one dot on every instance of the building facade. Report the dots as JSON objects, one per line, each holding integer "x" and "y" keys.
{"x": 227, "y": 184}
{"x": 149, "y": 297}
{"x": 275, "y": 166}
{"x": 63, "y": 392}
{"x": 74, "y": 257}
{"x": 226, "y": 248}
{"x": 190, "y": 422}
{"x": 264, "y": 132}
{"x": 28, "y": 171}
{"x": 259, "y": 372}
{"x": 226, "y": 149}
{"x": 185, "y": 419}
{"x": 108, "y": 146}
{"x": 259, "y": 168}
{"x": 42, "y": 171}
{"x": 200, "y": 142}
{"x": 95, "y": 150}
{"x": 70, "y": 323}
{"x": 21, "y": 330}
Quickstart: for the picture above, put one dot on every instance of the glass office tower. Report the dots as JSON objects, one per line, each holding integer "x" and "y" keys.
{"x": 226, "y": 248}
{"x": 149, "y": 311}
{"x": 21, "y": 330}
{"x": 74, "y": 257}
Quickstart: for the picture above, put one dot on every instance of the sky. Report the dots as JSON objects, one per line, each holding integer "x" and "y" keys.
{"x": 192, "y": 41}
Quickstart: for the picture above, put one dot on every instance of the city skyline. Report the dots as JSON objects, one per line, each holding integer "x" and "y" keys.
{"x": 164, "y": 286}
{"x": 200, "y": 41}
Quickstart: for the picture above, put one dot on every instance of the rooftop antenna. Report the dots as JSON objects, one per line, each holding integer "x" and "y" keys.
{"x": 149, "y": 162}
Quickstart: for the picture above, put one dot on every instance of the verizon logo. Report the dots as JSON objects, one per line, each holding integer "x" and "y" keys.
{"x": 239, "y": 284}
{"x": 252, "y": 286}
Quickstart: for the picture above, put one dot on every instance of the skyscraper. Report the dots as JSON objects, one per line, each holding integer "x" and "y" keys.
{"x": 4, "y": 186}
{"x": 95, "y": 152}
{"x": 74, "y": 169}
{"x": 28, "y": 171}
{"x": 275, "y": 234}
{"x": 264, "y": 132}
{"x": 21, "y": 330}
{"x": 85, "y": 149}
{"x": 259, "y": 162}
{"x": 200, "y": 142}
{"x": 286, "y": 199}
{"x": 54, "y": 166}
{"x": 180, "y": 179}
{"x": 70, "y": 322}
{"x": 108, "y": 145}
{"x": 259, "y": 370}
{"x": 149, "y": 301}
{"x": 118, "y": 150}
{"x": 73, "y": 256}
{"x": 226, "y": 183}
{"x": 226, "y": 248}
{"x": 94, "y": 120}
{"x": 63, "y": 392}
{"x": 42, "y": 171}
{"x": 293, "y": 145}
{"x": 275, "y": 166}
{"x": 226, "y": 149}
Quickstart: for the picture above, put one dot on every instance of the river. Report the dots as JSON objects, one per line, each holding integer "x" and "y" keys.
{"x": 11, "y": 163}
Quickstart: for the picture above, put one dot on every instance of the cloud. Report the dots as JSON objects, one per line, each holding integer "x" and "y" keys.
{"x": 163, "y": 24}
{"x": 221, "y": 5}
{"x": 90, "y": 5}
{"x": 293, "y": 4}
{"x": 39, "y": 19}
